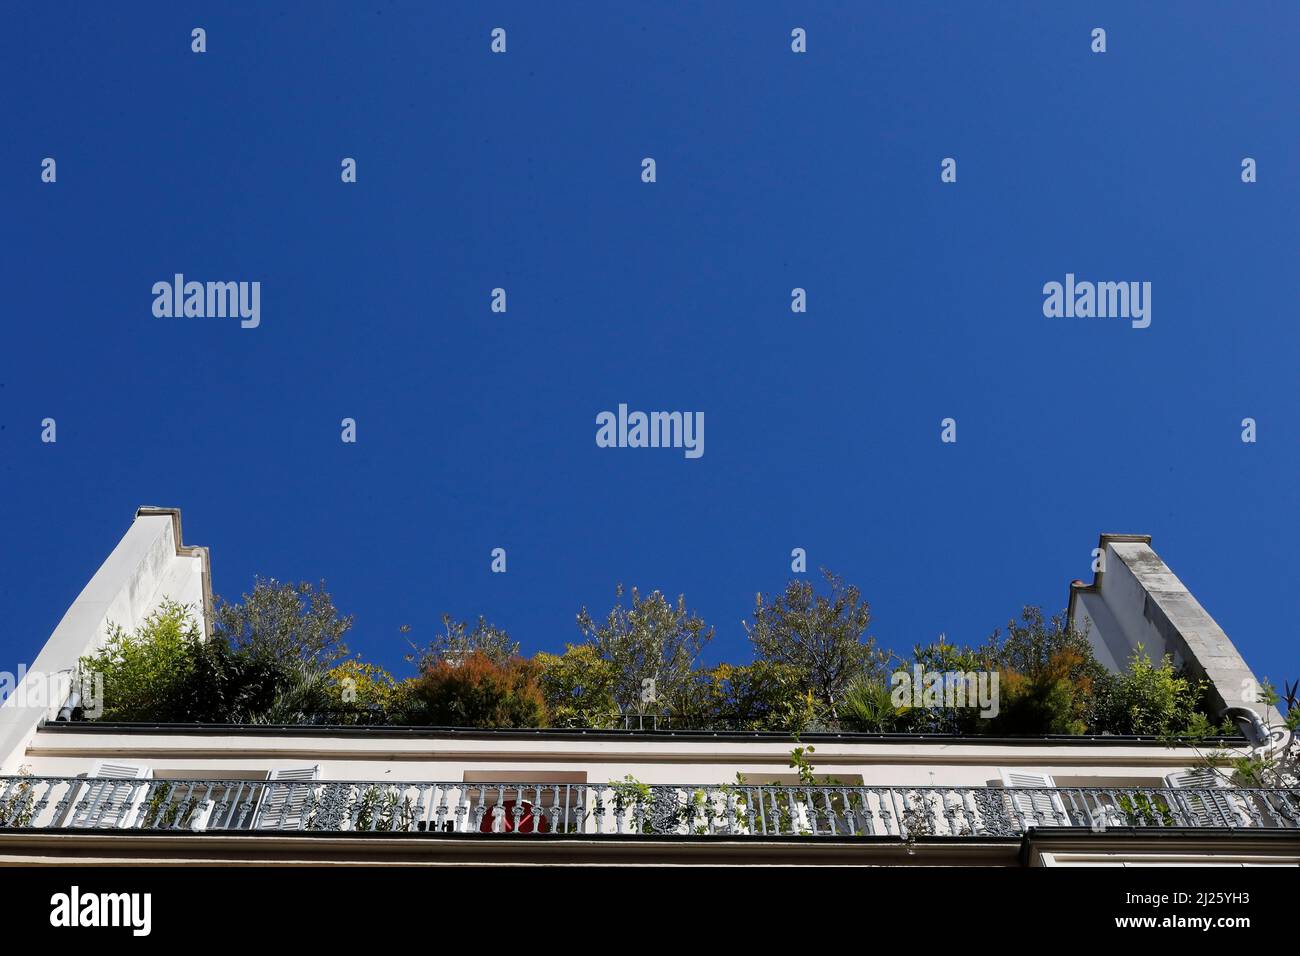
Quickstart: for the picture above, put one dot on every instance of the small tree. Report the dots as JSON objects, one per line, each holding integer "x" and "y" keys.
{"x": 362, "y": 692}
{"x": 653, "y": 640}
{"x": 764, "y": 695}
{"x": 579, "y": 687}
{"x": 1049, "y": 677}
{"x": 282, "y": 621}
{"x": 1033, "y": 644}
{"x": 822, "y": 637}
{"x": 942, "y": 657}
{"x": 458, "y": 641}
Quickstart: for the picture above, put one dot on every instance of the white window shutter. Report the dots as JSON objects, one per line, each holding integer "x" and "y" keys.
{"x": 1041, "y": 809}
{"x": 1200, "y": 778}
{"x": 282, "y": 807}
{"x": 295, "y": 773}
{"x": 104, "y": 803}
{"x": 1207, "y": 810}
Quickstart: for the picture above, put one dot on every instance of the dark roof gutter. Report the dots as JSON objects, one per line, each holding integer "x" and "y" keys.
{"x": 564, "y": 733}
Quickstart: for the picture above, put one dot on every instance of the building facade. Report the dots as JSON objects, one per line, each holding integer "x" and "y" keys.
{"x": 94, "y": 792}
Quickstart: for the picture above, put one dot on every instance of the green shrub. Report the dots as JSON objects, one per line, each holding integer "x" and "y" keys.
{"x": 147, "y": 674}
{"x": 165, "y": 672}
{"x": 869, "y": 708}
{"x": 1150, "y": 699}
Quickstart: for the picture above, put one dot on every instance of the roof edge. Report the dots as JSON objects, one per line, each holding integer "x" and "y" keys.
{"x": 566, "y": 733}
{"x": 1105, "y": 538}
{"x": 189, "y": 551}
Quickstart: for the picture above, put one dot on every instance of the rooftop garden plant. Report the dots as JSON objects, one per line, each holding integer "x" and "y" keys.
{"x": 278, "y": 656}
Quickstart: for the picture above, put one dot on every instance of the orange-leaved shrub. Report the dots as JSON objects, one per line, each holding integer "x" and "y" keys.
{"x": 474, "y": 691}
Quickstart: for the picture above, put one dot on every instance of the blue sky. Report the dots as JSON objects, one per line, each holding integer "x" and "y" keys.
{"x": 476, "y": 430}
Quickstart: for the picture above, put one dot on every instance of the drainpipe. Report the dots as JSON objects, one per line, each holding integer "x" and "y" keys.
{"x": 74, "y": 696}
{"x": 1257, "y": 733}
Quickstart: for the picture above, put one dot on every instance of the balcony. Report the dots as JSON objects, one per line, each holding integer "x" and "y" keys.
{"x": 626, "y": 809}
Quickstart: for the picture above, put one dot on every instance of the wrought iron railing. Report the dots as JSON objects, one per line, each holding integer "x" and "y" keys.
{"x": 629, "y": 808}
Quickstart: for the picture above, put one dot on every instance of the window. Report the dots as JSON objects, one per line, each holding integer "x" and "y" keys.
{"x": 284, "y": 798}
{"x": 111, "y": 796}
{"x": 1043, "y": 809}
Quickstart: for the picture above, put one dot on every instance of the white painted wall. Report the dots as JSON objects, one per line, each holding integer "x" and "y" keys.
{"x": 429, "y": 757}
{"x": 1138, "y": 600}
{"x": 149, "y": 564}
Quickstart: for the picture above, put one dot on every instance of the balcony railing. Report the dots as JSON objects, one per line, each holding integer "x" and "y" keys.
{"x": 542, "y": 809}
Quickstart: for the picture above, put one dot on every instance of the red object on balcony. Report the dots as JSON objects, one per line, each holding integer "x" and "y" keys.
{"x": 526, "y": 819}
